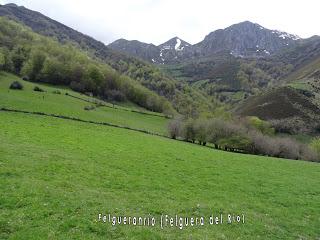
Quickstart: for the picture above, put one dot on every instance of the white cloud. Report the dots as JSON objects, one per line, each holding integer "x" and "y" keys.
{"x": 157, "y": 21}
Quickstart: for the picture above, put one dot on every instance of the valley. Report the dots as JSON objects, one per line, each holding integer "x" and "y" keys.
{"x": 130, "y": 140}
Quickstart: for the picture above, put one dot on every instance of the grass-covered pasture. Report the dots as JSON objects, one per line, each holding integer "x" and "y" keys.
{"x": 56, "y": 176}
{"x": 60, "y": 104}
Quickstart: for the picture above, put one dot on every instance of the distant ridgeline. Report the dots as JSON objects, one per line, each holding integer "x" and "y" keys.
{"x": 185, "y": 99}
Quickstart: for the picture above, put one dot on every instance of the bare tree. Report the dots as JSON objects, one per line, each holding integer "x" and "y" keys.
{"x": 174, "y": 128}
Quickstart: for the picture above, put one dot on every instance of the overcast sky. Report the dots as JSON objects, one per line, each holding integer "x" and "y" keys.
{"x": 156, "y": 21}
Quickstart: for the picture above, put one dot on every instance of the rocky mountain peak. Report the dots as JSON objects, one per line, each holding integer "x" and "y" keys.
{"x": 175, "y": 43}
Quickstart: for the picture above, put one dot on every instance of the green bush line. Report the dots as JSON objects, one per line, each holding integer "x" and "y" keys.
{"x": 123, "y": 109}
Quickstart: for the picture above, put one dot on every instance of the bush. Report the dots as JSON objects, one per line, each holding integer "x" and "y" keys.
{"x": 288, "y": 148}
{"x": 307, "y": 153}
{"x": 236, "y": 142}
{"x": 291, "y": 125}
{"x": 16, "y": 85}
{"x": 281, "y": 147}
{"x": 56, "y": 92}
{"x": 315, "y": 145}
{"x": 264, "y": 145}
{"x": 263, "y": 126}
{"x": 89, "y": 108}
{"x": 115, "y": 95}
{"x": 38, "y": 89}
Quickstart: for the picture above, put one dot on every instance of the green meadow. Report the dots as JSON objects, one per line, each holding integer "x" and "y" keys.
{"x": 57, "y": 175}
{"x": 62, "y": 104}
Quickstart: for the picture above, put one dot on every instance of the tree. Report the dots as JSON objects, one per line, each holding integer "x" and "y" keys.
{"x": 201, "y": 130}
{"x": 216, "y": 131}
{"x": 174, "y": 128}
{"x": 19, "y": 55}
{"x": 96, "y": 77}
{"x": 5, "y": 59}
{"x": 188, "y": 130}
{"x": 33, "y": 67}
{"x": 2, "y": 59}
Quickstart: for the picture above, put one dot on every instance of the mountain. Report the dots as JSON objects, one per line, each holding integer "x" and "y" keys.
{"x": 168, "y": 52}
{"x": 138, "y": 49}
{"x": 174, "y": 50}
{"x": 245, "y": 39}
{"x": 184, "y": 98}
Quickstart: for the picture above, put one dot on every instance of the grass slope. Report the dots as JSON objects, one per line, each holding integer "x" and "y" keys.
{"x": 56, "y": 176}
{"x": 48, "y": 102}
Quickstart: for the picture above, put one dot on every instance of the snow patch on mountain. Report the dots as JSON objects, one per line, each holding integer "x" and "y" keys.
{"x": 178, "y": 46}
{"x": 285, "y": 35}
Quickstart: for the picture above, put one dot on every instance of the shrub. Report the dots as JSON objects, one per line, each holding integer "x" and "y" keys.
{"x": 38, "y": 89}
{"x": 115, "y": 95}
{"x": 236, "y": 142}
{"x": 88, "y": 108}
{"x": 16, "y": 85}
{"x": 315, "y": 145}
{"x": 307, "y": 153}
{"x": 98, "y": 104}
{"x": 263, "y": 144}
{"x": 56, "y": 92}
{"x": 290, "y": 125}
{"x": 263, "y": 126}
{"x": 288, "y": 148}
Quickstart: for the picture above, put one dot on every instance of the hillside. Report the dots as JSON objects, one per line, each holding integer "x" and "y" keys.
{"x": 65, "y": 102}
{"x": 297, "y": 102}
{"x": 184, "y": 98}
{"x": 81, "y": 170}
{"x": 232, "y": 79}
{"x": 294, "y": 108}
{"x": 98, "y": 144}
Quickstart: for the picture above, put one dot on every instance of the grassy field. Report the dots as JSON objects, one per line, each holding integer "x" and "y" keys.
{"x": 60, "y": 104}
{"x": 57, "y": 175}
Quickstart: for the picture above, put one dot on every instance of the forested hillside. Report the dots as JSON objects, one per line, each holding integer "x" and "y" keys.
{"x": 185, "y": 99}
{"x": 41, "y": 59}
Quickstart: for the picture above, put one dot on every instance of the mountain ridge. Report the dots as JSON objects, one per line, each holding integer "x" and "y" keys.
{"x": 244, "y": 39}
